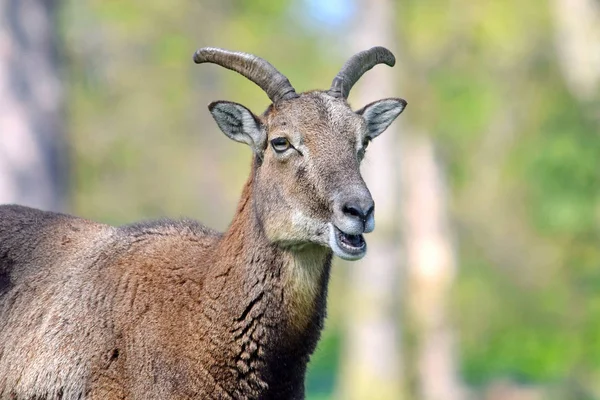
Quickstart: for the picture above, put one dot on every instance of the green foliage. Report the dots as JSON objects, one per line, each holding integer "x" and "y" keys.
{"x": 523, "y": 161}
{"x": 516, "y": 332}
{"x": 324, "y": 365}
{"x": 563, "y": 171}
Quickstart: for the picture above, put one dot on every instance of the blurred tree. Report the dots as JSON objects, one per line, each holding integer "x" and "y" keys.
{"x": 371, "y": 366}
{"x": 577, "y": 37}
{"x": 523, "y": 157}
{"x": 431, "y": 260}
{"x": 32, "y": 143}
{"x": 430, "y": 264}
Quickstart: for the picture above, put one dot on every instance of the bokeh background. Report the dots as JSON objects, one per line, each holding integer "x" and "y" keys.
{"x": 483, "y": 275}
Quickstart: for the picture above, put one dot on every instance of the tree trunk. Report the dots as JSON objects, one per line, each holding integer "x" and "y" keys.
{"x": 32, "y": 145}
{"x": 578, "y": 45}
{"x": 431, "y": 268}
{"x": 371, "y": 367}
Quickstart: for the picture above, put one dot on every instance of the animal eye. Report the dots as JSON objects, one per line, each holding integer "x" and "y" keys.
{"x": 280, "y": 144}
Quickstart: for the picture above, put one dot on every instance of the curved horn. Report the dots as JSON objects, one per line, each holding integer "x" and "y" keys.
{"x": 259, "y": 71}
{"x": 356, "y": 66}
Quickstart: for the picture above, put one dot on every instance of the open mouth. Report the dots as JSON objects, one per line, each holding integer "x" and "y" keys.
{"x": 346, "y": 246}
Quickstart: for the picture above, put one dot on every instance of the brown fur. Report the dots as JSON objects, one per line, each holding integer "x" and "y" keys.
{"x": 126, "y": 319}
{"x": 171, "y": 309}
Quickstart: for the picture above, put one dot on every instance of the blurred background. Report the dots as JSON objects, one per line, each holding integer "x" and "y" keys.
{"x": 483, "y": 275}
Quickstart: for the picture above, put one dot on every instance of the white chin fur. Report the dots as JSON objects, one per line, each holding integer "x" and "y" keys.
{"x": 338, "y": 251}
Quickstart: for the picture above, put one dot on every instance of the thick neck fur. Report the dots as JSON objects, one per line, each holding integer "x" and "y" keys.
{"x": 275, "y": 301}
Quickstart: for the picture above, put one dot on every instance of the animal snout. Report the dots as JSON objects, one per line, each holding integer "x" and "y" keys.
{"x": 357, "y": 209}
{"x": 354, "y": 214}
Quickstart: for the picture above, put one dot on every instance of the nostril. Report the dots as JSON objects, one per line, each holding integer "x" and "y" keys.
{"x": 370, "y": 211}
{"x": 354, "y": 211}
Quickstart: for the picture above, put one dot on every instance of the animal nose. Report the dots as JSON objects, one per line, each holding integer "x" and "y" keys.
{"x": 353, "y": 212}
{"x": 357, "y": 209}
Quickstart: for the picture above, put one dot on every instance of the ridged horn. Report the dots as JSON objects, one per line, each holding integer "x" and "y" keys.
{"x": 356, "y": 66}
{"x": 256, "y": 69}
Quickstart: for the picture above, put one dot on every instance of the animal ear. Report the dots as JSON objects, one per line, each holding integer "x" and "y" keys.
{"x": 239, "y": 124}
{"x": 380, "y": 114}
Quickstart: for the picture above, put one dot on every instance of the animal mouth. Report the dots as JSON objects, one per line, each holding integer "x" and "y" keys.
{"x": 351, "y": 242}
{"x": 347, "y": 246}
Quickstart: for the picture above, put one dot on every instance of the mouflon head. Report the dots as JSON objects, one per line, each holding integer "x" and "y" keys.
{"x": 308, "y": 148}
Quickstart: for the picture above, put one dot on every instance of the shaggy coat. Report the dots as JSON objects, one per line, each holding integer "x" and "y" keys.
{"x": 169, "y": 309}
